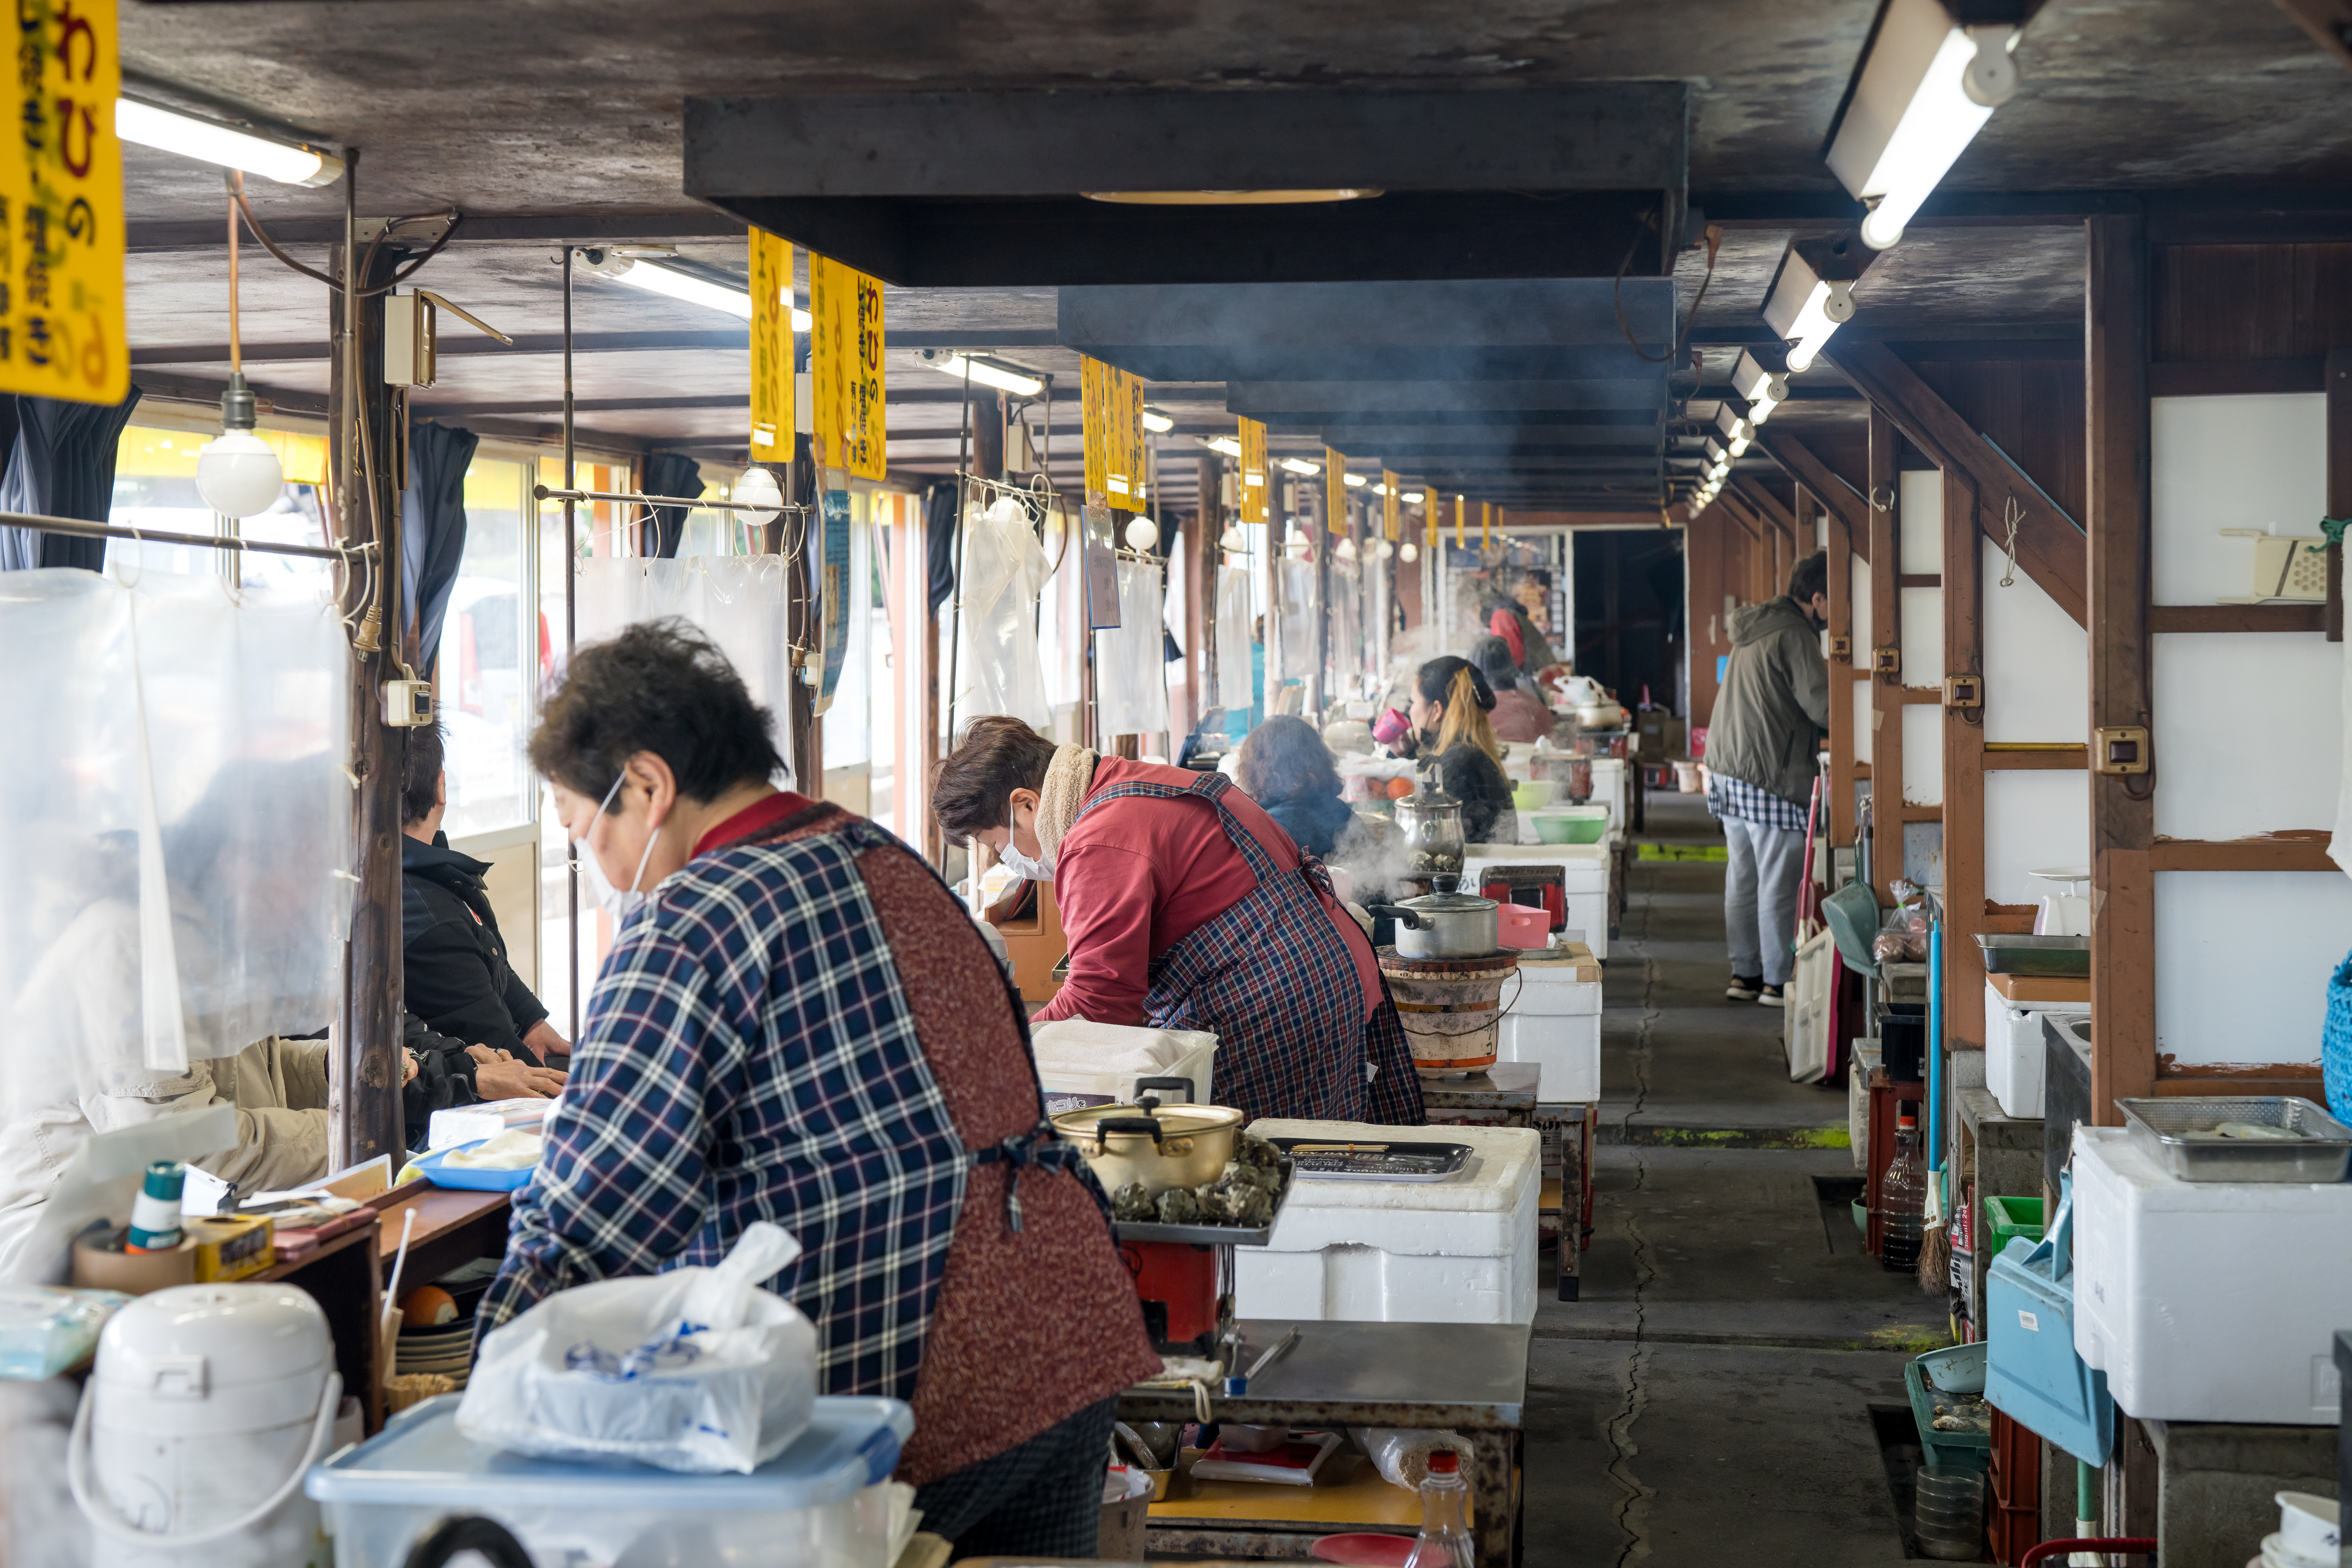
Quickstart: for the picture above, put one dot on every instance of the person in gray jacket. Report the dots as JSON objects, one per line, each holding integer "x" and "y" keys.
{"x": 1763, "y": 749}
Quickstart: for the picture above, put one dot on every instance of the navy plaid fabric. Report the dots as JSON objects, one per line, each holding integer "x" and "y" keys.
{"x": 750, "y": 1055}
{"x": 1288, "y": 1014}
{"x": 1728, "y": 796}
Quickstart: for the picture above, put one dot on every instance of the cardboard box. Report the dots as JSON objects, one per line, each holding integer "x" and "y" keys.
{"x": 230, "y": 1250}
{"x": 1661, "y": 736}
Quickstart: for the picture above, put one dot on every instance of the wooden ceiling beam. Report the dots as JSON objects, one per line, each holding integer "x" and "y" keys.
{"x": 2329, "y": 23}
{"x": 1800, "y": 464}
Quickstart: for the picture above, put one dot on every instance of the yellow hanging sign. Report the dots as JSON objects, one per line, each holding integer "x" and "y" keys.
{"x": 771, "y": 348}
{"x": 1335, "y": 490}
{"x": 1257, "y": 487}
{"x": 61, "y": 327}
{"x": 1129, "y": 478}
{"x": 1485, "y": 524}
{"x": 1094, "y": 426}
{"x": 1459, "y": 502}
{"x": 1391, "y": 505}
{"x": 1111, "y": 403}
{"x": 846, "y": 368}
{"x": 1429, "y": 504}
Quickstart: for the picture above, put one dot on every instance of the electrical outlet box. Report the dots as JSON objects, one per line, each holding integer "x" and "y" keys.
{"x": 1963, "y": 691}
{"x": 407, "y": 704}
{"x": 409, "y": 357}
{"x": 1842, "y": 648}
{"x": 2119, "y": 749}
{"x": 1887, "y": 661}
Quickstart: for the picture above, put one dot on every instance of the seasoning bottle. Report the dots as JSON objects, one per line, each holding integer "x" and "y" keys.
{"x": 1444, "y": 1539}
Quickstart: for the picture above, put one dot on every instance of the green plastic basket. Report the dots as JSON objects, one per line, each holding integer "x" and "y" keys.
{"x": 2001, "y": 1219}
{"x": 1959, "y": 1369}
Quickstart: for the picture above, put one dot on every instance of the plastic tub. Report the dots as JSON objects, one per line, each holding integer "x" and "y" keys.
{"x": 1933, "y": 1378}
{"x": 1533, "y": 794}
{"x": 810, "y": 1506}
{"x": 1571, "y": 824}
{"x": 1999, "y": 1218}
{"x": 1515, "y": 925}
{"x": 1948, "y": 1511}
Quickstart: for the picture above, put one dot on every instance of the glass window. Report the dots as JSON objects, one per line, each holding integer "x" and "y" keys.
{"x": 487, "y": 652}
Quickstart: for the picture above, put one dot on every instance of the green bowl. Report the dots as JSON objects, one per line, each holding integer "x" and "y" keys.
{"x": 1532, "y": 794}
{"x": 1551, "y": 829}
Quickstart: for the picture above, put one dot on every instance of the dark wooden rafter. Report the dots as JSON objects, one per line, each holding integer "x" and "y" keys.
{"x": 2329, "y": 23}
{"x": 2050, "y": 546}
{"x": 1800, "y": 463}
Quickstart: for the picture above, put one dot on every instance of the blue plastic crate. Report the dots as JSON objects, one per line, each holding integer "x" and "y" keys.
{"x": 2032, "y": 1373}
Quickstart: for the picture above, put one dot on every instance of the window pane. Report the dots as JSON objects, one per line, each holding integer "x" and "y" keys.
{"x": 488, "y": 657}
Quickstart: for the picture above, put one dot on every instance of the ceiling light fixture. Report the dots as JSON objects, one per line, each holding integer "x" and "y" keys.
{"x": 288, "y": 162}
{"x": 758, "y": 485}
{"x": 1225, "y": 444}
{"x": 1159, "y": 423}
{"x": 1924, "y": 90}
{"x": 238, "y": 473}
{"x": 1762, "y": 390}
{"x": 1408, "y": 551}
{"x": 1301, "y": 466}
{"x": 1230, "y": 198}
{"x": 1805, "y": 308}
{"x": 1412, "y": 498}
{"x": 658, "y": 277}
{"x": 1356, "y": 479}
{"x": 1738, "y": 434}
{"x": 990, "y": 373}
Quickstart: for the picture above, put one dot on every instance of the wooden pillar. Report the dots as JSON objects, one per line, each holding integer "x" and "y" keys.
{"x": 1887, "y": 689}
{"x": 2122, "y": 811}
{"x": 1964, "y": 756}
{"x": 1841, "y": 673}
{"x": 1707, "y": 546}
{"x": 1201, "y": 617}
{"x": 363, "y": 1072}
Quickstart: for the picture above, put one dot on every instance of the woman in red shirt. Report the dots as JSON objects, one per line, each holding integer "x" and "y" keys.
{"x": 1186, "y": 907}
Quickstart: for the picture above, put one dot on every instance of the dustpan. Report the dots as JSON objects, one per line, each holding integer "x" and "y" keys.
{"x": 2032, "y": 1373}
{"x": 1852, "y": 913}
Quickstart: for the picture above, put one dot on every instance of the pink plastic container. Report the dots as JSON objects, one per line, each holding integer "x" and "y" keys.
{"x": 1515, "y": 925}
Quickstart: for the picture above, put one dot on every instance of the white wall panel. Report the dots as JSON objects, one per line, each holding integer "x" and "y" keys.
{"x": 1923, "y": 754}
{"x": 2249, "y": 733}
{"x": 2035, "y": 819}
{"x": 1923, "y": 637}
{"x": 2230, "y": 462}
{"x": 1860, "y": 577}
{"x": 1863, "y": 713}
{"x": 2037, "y": 662}
{"x": 2242, "y": 960}
{"x": 1919, "y": 522}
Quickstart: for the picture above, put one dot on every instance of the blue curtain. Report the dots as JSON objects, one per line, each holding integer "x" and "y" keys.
{"x": 669, "y": 474}
{"x": 60, "y": 464}
{"x": 432, "y": 532}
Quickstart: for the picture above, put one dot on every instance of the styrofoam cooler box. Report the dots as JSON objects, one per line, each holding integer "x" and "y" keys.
{"x": 1609, "y": 784}
{"x": 2014, "y": 1049}
{"x": 2208, "y": 1300}
{"x": 1555, "y": 1023}
{"x": 1082, "y": 1063}
{"x": 1461, "y": 1250}
{"x": 1584, "y": 880}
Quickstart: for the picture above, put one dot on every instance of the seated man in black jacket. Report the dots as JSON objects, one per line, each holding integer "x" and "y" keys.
{"x": 457, "y": 977}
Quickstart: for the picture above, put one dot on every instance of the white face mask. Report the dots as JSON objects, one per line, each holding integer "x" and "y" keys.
{"x": 1020, "y": 865}
{"x": 618, "y": 903}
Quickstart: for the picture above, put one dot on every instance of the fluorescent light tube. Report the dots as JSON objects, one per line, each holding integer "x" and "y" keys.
{"x": 1301, "y": 466}
{"x": 1922, "y": 92}
{"x": 1805, "y": 308}
{"x": 1356, "y": 479}
{"x": 989, "y": 374}
{"x": 1230, "y": 447}
{"x": 1159, "y": 423}
{"x": 210, "y": 141}
{"x": 1414, "y": 498}
{"x": 1739, "y": 434}
{"x": 1760, "y": 389}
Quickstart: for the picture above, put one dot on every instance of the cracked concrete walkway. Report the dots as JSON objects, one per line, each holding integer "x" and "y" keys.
{"x": 1708, "y": 1397}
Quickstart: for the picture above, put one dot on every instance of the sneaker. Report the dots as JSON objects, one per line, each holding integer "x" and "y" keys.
{"x": 1743, "y": 989}
{"x": 1770, "y": 996}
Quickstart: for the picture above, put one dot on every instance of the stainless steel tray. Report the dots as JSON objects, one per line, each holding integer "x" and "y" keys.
{"x": 2052, "y": 956}
{"x": 2159, "y": 1126}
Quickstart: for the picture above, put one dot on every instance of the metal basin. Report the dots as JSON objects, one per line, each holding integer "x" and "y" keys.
{"x": 2067, "y": 956}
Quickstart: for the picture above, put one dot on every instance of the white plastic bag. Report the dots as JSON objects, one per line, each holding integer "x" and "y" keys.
{"x": 697, "y": 1369}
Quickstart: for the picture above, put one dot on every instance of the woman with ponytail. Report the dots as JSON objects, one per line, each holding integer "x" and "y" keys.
{"x": 1450, "y": 703}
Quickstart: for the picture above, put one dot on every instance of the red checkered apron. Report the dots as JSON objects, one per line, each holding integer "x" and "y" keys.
{"x": 1276, "y": 983}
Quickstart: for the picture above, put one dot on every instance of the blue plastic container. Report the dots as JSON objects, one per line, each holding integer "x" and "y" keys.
{"x": 2032, "y": 1373}
{"x": 440, "y": 1173}
{"x": 807, "y": 1506}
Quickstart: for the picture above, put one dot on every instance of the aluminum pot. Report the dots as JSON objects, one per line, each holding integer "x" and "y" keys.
{"x": 1444, "y": 925}
{"x": 1178, "y": 1146}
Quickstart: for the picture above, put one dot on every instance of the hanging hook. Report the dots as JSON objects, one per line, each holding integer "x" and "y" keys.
{"x": 2012, "y": 515}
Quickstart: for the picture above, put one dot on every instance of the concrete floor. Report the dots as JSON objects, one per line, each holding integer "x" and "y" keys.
{"x": 1708, "y": 1398}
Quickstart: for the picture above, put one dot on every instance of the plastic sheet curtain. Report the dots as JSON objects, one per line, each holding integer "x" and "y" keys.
{"x": 1005, "y": 572}
{"x": 1347, "y": 673}
{"x": 1299, "y": 649}
{"x": 433, "y": 531}
{"x": 1234, "y": 683}
{"x": 60, "y": 464}
{"x": 174, "y": 825}
{"x": 1062, "y": 627}
{"x": 737, "y": 600}
{"x": 1130, "y": 677}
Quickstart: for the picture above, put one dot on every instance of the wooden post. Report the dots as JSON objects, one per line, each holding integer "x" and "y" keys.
{"x": 1886, "y": 690}
{"x": 2122, "y": 811}
{"x": 363, "y": 1074}
{"x": 1841, "y": 673}
{"x": 1707, "y": 541}
{"x": 2339, "y": 477}
{"x": 1964, "y": 779}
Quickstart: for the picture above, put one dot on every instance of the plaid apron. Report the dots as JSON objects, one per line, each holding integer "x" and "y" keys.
{"x": 1276, "y": 983}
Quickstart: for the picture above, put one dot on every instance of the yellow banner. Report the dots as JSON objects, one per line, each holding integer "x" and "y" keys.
{"x": 771, "y": 348}
{"x": 1093, "y": 426}
{"x": 1111, "y": 403}
{"x": 1485, "y": 524}
{"x": 1429, "y": 503}
{"x": 1256, "y": 487}
{"x": 1391, "y": 505}
{"x": 1459, "y": 503}
{"x": 61, "y": 329}
{"x": 1335, "y": 490}
{"x": 846, "y": 368}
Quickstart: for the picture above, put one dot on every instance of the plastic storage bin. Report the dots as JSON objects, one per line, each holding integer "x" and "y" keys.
{"x": 1584, "y": 880}
{"x": 1999, "y": 1218}
{"x": 1959, "y": 1369}
{"x": 807, "y": 1508}
{"x": 2014, "y": 1049}
{"x": 2032, "y": 1371}
{"x": 1191, "y": 1054}
{"x": 1461, "y": 1250}
{"x": 1555, "y": 1023}
{"x": 2151, "y": 1251}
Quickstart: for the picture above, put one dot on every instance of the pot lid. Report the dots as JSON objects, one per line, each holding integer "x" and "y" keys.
{"x": 1175, "y": 1121}
{"x": 1448, "y": 903}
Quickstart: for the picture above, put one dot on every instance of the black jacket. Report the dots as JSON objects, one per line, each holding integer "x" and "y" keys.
{"x": 445, "y": 1077}
{"x": 1476, "y": 780}
{"x": 457, "y": 977}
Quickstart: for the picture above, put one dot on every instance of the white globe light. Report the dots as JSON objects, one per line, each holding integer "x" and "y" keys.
{"x": 1384, "y": 549}
{"x": 238, "y": 474}
{"x": 1409, "y": 552}
{"x": 1141, "y": 534}
{"x": 1232, "y": 539}
{"x": 758, "y": 487}
{"x": 1345, "y": 549}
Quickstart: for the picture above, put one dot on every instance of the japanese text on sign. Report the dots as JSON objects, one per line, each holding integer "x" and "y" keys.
{"x": 62, "y": 327}
{"x": 1392, "y": 519}
{"x": 1335, "y": 490}
{"x": 846, "y": 368}
{"x": 1257, "y": 487}
{"x": 1111, "y": 419}
{"x": 771, "y": 348}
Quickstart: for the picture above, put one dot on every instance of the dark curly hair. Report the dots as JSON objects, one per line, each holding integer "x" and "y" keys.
{"x": 420, "y": 774}
{"x": 659, "y": 687}
{"x": 972, "y": 786}
{"x": 1283, "y": 759}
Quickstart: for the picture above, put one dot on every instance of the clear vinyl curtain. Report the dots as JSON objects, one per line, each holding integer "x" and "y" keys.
{"x": 176, "y": 824}
{"x": 739, "y": 601}
{"x": 1005, "y": 574}
{"x": 1130, "y": 677}
{"x": 1236, "y": 691}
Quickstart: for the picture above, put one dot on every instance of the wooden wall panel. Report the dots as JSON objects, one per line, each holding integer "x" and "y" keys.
{"x": 2249, "y": 302}
{"x": 1707, "y": 546}
{"x": 2031, "y": 409}
{"x": 1886, "y": 691}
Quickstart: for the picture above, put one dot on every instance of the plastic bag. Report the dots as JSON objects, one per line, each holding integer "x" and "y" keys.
{"x": 43, "y": 1330}
{"x": 697, "y": 1369}
{"x": 1903, "y": 934}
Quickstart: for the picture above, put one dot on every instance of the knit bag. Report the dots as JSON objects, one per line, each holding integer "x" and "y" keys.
{"x": 2335, "y": 1042}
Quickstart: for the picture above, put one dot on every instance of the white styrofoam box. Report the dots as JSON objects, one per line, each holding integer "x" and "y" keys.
{"x": 1610, "y": 785}
{"x": 2014, "y": 1047}
{"x": 2208, "y": 1300}
{"x": 1567, "y": 1049}
{"x": 1584, "y": 880}
{"x": 1457, "y": 1251}
{"x": 1082, "y": 1063}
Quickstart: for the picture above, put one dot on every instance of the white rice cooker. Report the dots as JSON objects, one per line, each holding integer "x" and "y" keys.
{"x": 208, "y": 1406}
